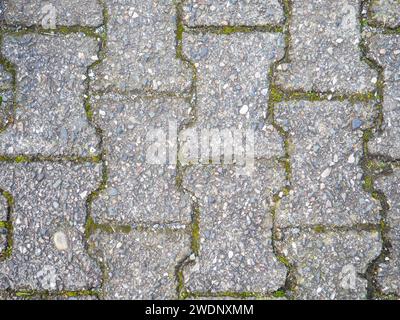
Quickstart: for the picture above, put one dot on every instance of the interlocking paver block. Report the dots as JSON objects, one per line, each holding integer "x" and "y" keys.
{"x": 50, "y": 116}
{"x": 328, "y": 265}
{"x": 326, "y": 139}
{"x": 389, "y": 270}
{"x": 66, "y": 12}
{"x": 232, "y": 83}
{"x": 49, "y": 215}
{"x": 385, "y": 50}
{"x": 227, "y": 12}
{"x": 386, "y": 12}
{"x": 6, "y": 96}
{"x": 139, "y": 190}
{"x": 3, "y": 208}
{"x": 235, "y": 251}
{"x": 324, "y": 51}
{"x": 141, "y": 264}
{"x": 141, "y": 48}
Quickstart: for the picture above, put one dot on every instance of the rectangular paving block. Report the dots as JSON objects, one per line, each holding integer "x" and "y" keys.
{"x": 141, "y": 264}
{"x": 48, "y": 217}
{"x": 326, "y": 147}
{"x": 329, "y": 265}
{"x": 235, "y": 252}
{"x": 45, "y": 13}
{"x": 228, "y": 12}
{"x": 385, "y": 50}
{"x": 324, "y": 53}
{"x": 140, "y": 141}
{"x": 385, "y": 12}
{"x": 50, "y": 117}
{"x": 6, "y": 96}
{"x": 389, "y": 269}
{"x": 141, "y": 48}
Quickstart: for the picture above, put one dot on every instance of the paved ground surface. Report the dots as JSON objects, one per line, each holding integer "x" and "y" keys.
{"x": 84, "y": 214}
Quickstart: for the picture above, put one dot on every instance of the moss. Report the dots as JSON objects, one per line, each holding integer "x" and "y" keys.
{"x": 368, "y": 184}
{"x": 279, "y": 294}
{"x": 21, "y": 159}
{"x": 196, "y": 231}
{"x": 319, "y": 229}
{"x": 275, "y": 94}
{"x": 283, "y": 260}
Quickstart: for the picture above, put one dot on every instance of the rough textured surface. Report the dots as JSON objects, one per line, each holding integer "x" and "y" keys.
{"x": 66, "y": 12}
{"x": 139, "y": 191}
{"x": 6, "y": 97}
{"x": 50, "y": 116}
{"x": 326, "y": 148}
{"x": 3, "y": 240}
{"x": 49, "y": 198}
{"x": 141, "y": 50}
{"x": 389, "y": 270}
{"x": 329, "y": 265}
{"x": 232, "y": 84}
{"x": 235, "y": 251}
{"x": 3, "y": 208}
{"x": 385, "y": 50}
{"x": 243, "y": 12}
{"x": 385, "y": 12}
{"x": 324, "y": 53}
{"x": 142, "y": 264}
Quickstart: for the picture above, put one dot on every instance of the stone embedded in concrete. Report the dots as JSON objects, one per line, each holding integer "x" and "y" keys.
{"x": 49, "y": 198}
{"x": 325, "y": 155}
{"x": 64, "y": 12}
{"x": 3, "y": 208}
{"x": 324, "y": 53}
{"x": 235, "y": 230}
{"x": 389, "y": 269}
{"x": 330, "y": 265}
{"x": 6, "y": 97}
{"x": 249, "y": 13}
{"x": 50, "y": 115}
{"x": 141, "y": 264}
{"x": 232, "y": 84}
{"x": 385, "y": 12}
{"x": 140, "y": 190}
{"x": 141, "y": 49}
{"x": 385, "y": 50}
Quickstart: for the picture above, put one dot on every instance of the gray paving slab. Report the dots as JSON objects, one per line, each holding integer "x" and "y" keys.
{"x": 235, "y": 230}
{"x": 228, "y": 12}
{"x": 140, "y": 189}
{"x": 45, "y": 13}
{"x": 330, "y": 265}
{"x": 141, "y": 264}
{"x": 48, "y": 217}
{"x": 326, "y": 147}
{"x": 141, "y": 49}
{"x": 50, "y": 116}
{"x": 385, "y": 12}
{"x": 324, "y": 53}
{"x": 385, "y": 50}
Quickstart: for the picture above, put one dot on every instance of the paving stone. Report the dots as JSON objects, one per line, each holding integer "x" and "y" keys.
{"x": 329, "y": 265}
{"x": 326, "y": 173}
{"x": 50, "y": 117}
{"x": 385, "y": 50}
{"x": 6, "y": 96}
{"x": 324, "y": 51}
{"x": 3, "y": 208}
{"x": 3, "y": 240}
{"x": 389, "y": 270}
{"x": 64, "y": 12}
{"x": 141, "y": 264}
{"x": 49, "y": 198}
{"x": 386, "y": 12}
{"x": 232, "y": 84}
{"x": 138, "y": 189}
{"x": 236, "y": 252}
{"x": 141, "y": 48}
{"x": 228, "y": 12}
